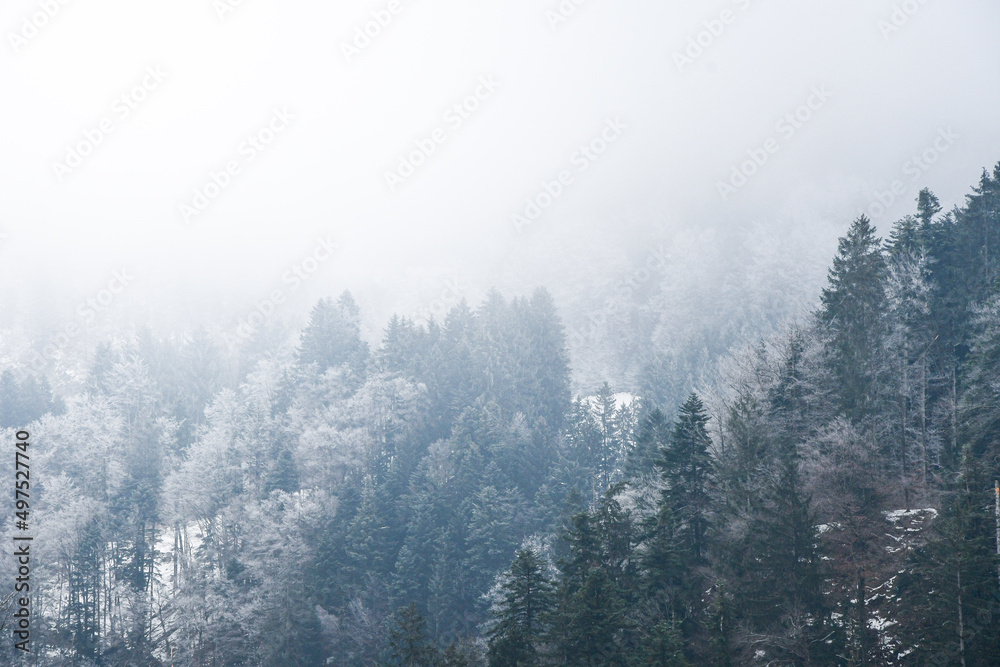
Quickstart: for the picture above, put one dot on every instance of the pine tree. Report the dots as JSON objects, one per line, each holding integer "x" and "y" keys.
{"x": 664, "y": 647}
{"x": 399, "y": 352}
{"x": 980, "y": 404}
{"x": 10, "y": 401}
{"x": 846, "y": 477}
{"x": 908, "y": 341}
{"x": 84, "y": 603}
{"x": 608, "y": 443}
{"x": 781, "y": 587}
{"x": 978, "y": 226}
{"x": 598, "y": 435}
{"x": 426, "y": 517}
{"x": 456, "y": 375}
{"x": 652, "y": 435}
{"x": 283, "y": 474}
{"x": 460, "y": 654}
{"x": 852, "y": 316}
{"x": 928, "y": 206}
{"x": 496, "y": 525}
{"x": 746, "y": 450}
{"x": 333, "y": 335}
{"x": 721, "y": 629}
{"x": 200, "y": 374}
{"x": 548, "y": 362}
{"x": 521, "y": 617}
{"x": 408, "y": 643}
{"x": 588, "y": 626}
{"x": 687, "y": 469}
{"x": 951, "y": 588}
{"x": 371, "y": 539}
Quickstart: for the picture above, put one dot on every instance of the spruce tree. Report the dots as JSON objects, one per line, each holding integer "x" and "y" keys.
{"x": 951, "y": 590}
{"x": 10, "y": 401}
{"x": 664, "y": 647}
{"x": 333, "y": 335}
{"x": 676, "y": 539}
{"x": 84, "y": 603}
{"x": 721, "y": 627}
{"x": 687, "y": 469}
{"x": 521, "y": 617}
{"x": 781, "y": 587}
{"x": 588, "y": 627}
{"x": 852, "y": 315}
{"x": 928, "y": 206}
{"x": 980, "y": 404}
{"x": 408, "y": 642}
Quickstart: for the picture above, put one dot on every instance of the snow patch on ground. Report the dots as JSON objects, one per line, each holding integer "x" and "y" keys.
{"x": 164, "y": 564}
{"x": 896, "y": 515}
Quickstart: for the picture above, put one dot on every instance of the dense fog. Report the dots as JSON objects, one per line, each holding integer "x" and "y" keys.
{"x": 523, "y": 333}
{"x": 690, "y": 106}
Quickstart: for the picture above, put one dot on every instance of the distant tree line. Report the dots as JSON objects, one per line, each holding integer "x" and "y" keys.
{"x": 825, "y": 498}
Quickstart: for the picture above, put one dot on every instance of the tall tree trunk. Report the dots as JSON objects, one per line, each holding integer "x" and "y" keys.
{"x": 996, "y": 513}
{"x": 904, "y": 394}
{"x": 923, "y": 415}
{"x": 176, "y": 555}
{"x": 961, "y": 623}
{"x": 954, "y": 410}
{"x": 862, "y": 618}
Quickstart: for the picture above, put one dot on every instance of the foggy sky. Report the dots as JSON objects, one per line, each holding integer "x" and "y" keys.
{"x": 886, "y": 92}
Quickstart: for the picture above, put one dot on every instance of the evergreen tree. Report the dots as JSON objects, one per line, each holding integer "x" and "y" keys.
{"x": 687, "y": 469}
{"x": 909, "y": 339}
{"x": 599, "y": 436}
{"x": 200, "y": 375}
{"x": 588, "y": 627}
{"x": 952, "y": 586}
{"x": 496, "y": 525}
{"x": 664, "y": 647}
{"x": 408, "y": 643}
{"x": 10, "y": 401}
{"x": 852, "y": 316}
{"x": 521, "y": 616}
{"x": 547, "y": 362}
{"x": 781, "y": 583}
{"x": 928, "y": 206}
{"x": 672, "y": 584}
{"x": 721, "y": 629}
{"x": 652, "y": 435}
{"x": 84, "y": 604}
{"x": 980, "y": 404}
{"x": 333, "y": 335}
{"x": 460, "y": 654}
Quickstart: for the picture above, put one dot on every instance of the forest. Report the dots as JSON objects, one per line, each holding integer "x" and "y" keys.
{"x": 823, "y": 495}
